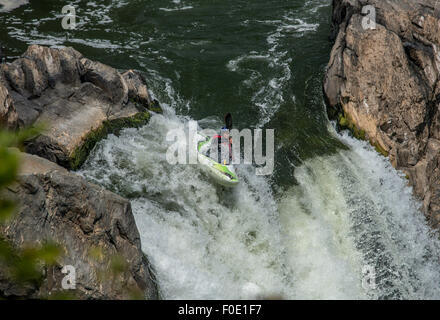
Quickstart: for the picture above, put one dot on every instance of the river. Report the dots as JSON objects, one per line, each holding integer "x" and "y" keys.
{"x": 334, "y": 220}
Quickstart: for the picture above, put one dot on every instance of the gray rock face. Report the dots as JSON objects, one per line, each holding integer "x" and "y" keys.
{"x": 385, "y": 81}
{"x": 73, "y": 97}
{"x": 8, "y": 114}
{"x": 106, "y": 78}
{"x": 137, "y": 88}
{"x": 94, "y": 227}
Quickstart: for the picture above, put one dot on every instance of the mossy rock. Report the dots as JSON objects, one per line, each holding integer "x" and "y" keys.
{"x": 359, "y": 133}
{"x": 343, "y": 122}
{"x": 379, "y": 149}
{"x": 155, "y": 107}
{"x": 80, "y": 154}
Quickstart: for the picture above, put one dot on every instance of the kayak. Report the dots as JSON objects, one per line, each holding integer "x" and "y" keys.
{"x": 221, "y": 173}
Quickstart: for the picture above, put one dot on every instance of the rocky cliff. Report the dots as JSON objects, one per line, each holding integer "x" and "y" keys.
{"x": 383, "y": 83}
{"x": 78, "y": 101}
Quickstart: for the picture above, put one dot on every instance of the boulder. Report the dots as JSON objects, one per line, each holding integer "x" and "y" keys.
{"x": 137, "y": 88}
{"x": 106, "y": 78}
{"x": 8, "y": 114}
{"x": 77, "y": 100}
{"x": 384, "y": 82}
{"x": 94, "y": 228}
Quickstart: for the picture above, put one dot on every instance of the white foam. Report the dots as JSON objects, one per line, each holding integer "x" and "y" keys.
{"x": 176, "y": 8}
{"x": 233, "y": 65}
{"x": 353, "y": 210}
{"x": 92, "y": 13}
{"x": 9, "y": 5}
{"x": 202, "y": 241}
{"x": 348, "y": 211}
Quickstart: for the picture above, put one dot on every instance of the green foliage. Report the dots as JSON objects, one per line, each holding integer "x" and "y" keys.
{"x": 49, "y": 253}
{"x": 112, "y": 270}
{"x": 7, "y": 208}
{"x": 23, "y": 266}
{"x": 9, "y": 163}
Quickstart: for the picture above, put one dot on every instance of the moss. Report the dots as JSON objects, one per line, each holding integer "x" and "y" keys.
{"x": 79, "y": 155}
{"x": 362, "y": 135}
{"x": 155, "y": 107}
{"x": 379, "y": 149}
{"x": 141, "y": 106}
{"x": 345, "y": 122}
{"x": 358, "y": 133}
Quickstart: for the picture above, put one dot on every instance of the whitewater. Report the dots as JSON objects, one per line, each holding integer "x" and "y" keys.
{"x": 350, "y": 212}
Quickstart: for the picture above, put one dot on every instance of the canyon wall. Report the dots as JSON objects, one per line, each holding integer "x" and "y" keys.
{"x": 383, "y": 83}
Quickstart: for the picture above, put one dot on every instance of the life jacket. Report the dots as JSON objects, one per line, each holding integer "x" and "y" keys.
{"x": 219, "y": 139}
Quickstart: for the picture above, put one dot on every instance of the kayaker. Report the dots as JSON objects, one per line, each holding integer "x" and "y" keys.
{"x": 224, "y": 142}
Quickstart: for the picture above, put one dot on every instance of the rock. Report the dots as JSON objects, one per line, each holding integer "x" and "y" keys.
{"x": 40, "y": 68}
{"x": 94, "y": 227}
{"x": 8, "y": 114}
{"x": 27, "y": 111}
{"x": 385, "y": 81}
{"x": 137, "y": 87}
{"x": 14, "y": 75}
{"x": 72, "y": 120}
{"x": 106, "y": 78}
{"x": 79, "y": 101}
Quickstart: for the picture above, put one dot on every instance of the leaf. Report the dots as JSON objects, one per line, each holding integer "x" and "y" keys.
{"x": 49, "y": 253}
{"x": 118, "y": 264}
{"x": 8, "y": 166}
{"x": 7, "y": 209}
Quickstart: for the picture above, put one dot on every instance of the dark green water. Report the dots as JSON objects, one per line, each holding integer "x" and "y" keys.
{"x": 332, "y": 207}
{"x": 262, "y": 61}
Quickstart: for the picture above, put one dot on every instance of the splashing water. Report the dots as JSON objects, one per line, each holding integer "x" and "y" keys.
{"x": 351, "y": 211}
{"x": 204, "y": 242}
{"x": 348, "y": 211}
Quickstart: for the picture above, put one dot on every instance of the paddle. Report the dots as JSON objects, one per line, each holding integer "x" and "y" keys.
{"x": 228, "y": 121}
